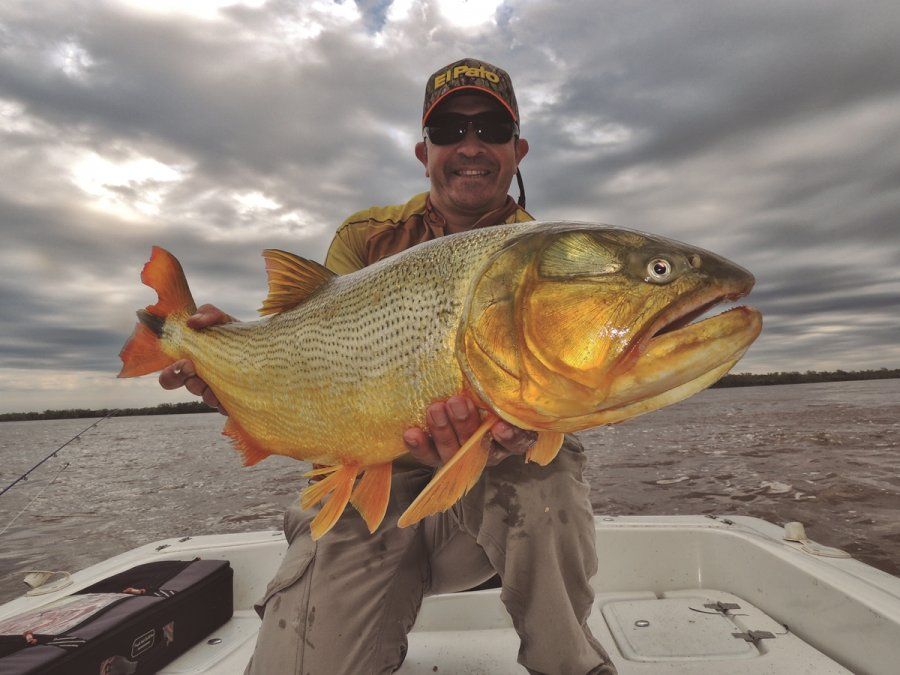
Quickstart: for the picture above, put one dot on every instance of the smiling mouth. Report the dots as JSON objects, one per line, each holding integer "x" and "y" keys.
{"x": 471, "y": 173}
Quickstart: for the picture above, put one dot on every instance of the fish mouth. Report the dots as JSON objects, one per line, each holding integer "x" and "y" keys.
{"x": 684, "y": 312}
{"x": 676, "y": 350}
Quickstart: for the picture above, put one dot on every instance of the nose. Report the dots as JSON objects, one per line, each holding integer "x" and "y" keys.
{"x": 470, "y": 145}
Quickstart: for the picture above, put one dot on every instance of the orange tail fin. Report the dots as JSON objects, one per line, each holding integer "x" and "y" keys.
{"x": 143, "y": 353}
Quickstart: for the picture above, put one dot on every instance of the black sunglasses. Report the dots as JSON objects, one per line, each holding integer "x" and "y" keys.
{"x": 490, "y": 127}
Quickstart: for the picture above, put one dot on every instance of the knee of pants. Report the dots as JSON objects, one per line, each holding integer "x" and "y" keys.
{"x": 297, "y": 559}
{"x": 283, "y": 610}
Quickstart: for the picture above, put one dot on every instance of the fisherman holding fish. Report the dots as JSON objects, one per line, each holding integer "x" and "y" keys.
{"x": 345, "y": 602}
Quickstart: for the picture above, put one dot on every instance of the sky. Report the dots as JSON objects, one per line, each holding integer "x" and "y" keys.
{"x": 766, "y": 131}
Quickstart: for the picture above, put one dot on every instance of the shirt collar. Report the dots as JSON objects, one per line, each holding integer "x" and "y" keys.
{"x": 436, "y": 222}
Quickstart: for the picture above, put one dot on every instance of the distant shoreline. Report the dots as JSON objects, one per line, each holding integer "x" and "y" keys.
{"x": 737, "y": 380}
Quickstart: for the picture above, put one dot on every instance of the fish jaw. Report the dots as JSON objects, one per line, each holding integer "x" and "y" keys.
{"x": 678, "y": 363}
{"x": 661, "y": 400}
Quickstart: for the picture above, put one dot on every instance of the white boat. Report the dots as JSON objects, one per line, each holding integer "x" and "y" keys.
{"x": 675, "y": 594}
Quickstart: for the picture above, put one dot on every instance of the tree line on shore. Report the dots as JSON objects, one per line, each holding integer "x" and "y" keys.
{"x": 794, "y": 377}
{"x": 735, "y": 380}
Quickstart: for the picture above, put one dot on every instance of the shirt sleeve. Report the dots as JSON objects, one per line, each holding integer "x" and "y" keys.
{"x": 347, "y": 251}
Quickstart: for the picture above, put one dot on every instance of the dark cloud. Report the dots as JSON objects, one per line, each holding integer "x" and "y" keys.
{"x": 768, "y": 132}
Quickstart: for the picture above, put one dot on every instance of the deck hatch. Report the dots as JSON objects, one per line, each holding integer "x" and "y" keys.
{"x": 671, "y": 629}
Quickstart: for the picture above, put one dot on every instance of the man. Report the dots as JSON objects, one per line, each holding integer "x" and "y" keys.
{"x": 345, "y": 603}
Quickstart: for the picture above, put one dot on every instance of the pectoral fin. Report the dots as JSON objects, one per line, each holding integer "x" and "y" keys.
{"x": 545, "y": 450}
{"x": 454, "y": 479}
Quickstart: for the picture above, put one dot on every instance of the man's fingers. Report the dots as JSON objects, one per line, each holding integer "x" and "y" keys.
{"x": 206, "y": 316}
{"x": 183, "y": 374}
{"x": 464, "y": 417}
{"x": 512, "y": 439}
{"x": 450, "y": 424}
{"x": 174, "y": 376}
{"x": 420, "y": 447}
{"x": 209, "y": 398}
{"x": 196, "y": 386}
{"x": 442, "y": 433}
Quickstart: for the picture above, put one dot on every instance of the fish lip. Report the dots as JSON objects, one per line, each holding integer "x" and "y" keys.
{"x": 683, "y": 311}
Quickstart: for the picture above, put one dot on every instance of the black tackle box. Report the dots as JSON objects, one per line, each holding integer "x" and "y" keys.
{"x": 130, "y": 623}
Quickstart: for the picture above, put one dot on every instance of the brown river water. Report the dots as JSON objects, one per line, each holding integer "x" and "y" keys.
{"x": 824, "y": 454}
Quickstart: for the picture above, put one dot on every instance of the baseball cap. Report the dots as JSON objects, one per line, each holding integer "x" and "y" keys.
{"x": 470, "y": 74}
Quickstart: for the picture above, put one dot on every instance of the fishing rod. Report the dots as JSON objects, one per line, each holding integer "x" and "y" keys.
{"x": 24, "y": 476}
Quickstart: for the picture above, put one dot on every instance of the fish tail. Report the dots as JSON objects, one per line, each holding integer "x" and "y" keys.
{"x": 143, "y": 353}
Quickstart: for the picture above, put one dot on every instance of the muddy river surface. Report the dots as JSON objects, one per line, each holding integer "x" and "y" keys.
{"x": 824, "y": 454}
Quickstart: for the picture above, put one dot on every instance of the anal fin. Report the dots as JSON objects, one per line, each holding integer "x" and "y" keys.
{"x": 370, "y": 497}
{"x": 338, "y": 484}
{"x": 248, "y": 446}
{"x": 546, "y": 448}
{"x": 454, "y": 479}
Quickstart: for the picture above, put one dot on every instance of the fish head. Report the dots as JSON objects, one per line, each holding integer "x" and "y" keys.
{"x": 575, "y": 325}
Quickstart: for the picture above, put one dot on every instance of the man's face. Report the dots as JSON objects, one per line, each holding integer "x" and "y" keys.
{"x": 470, "y": 177}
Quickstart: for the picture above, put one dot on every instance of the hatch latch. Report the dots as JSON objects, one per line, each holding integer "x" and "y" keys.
{"x": 754, "y": 636}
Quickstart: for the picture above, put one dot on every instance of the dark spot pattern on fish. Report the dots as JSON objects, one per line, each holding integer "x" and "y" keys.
{"x": 563, "y": 517}
{"x": 282, "y": 624}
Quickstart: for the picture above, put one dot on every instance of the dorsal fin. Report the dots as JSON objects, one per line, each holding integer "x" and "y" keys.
{"x": 292, "y": 280}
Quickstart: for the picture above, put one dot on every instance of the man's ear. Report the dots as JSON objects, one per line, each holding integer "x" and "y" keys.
{"x": 422, "y": 155}
{"x": 521, "y": 149}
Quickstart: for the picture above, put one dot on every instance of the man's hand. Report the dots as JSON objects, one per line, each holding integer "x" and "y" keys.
{"x": 182, "y": 372}
{"x": 451, "y": 423}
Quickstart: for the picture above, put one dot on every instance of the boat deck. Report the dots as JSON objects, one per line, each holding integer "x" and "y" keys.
{"x": 675, "y": 594}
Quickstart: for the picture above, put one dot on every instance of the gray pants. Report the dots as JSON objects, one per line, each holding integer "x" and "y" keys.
{"x": 344, "y": 604}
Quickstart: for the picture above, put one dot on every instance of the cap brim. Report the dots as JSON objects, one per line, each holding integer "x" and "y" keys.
{"x": 485, "y": 90}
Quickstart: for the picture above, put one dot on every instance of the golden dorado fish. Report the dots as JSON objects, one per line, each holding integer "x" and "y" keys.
{"x": 554, "y": 327}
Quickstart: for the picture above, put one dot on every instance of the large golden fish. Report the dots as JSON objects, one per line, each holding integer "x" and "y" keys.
{"x": 554, "y": 327}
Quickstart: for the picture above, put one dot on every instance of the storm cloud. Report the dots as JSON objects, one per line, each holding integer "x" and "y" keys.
{"x": 768, "y": 132}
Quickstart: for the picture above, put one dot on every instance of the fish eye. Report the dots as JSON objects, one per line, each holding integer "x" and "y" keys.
{"x": 659, "y": 270}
